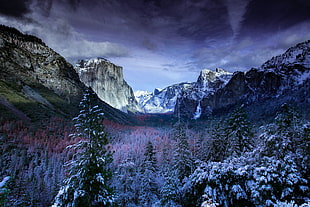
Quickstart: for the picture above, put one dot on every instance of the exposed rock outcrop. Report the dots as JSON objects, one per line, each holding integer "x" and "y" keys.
{"x": 37, "y": 83}
{"x": 25, "y": 59}
{"x": 284, "y": 78}
{"x": 107, "y": 80}
{"x": 163, "y": 101}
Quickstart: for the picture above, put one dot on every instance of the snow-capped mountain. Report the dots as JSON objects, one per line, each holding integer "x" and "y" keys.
{"x": 282, "y": 79}
{"x": 164, "y": 100}
{"x": 107, "y": 80}
{"x": 142, "y": 96}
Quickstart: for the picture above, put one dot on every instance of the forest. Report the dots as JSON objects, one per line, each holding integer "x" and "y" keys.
{"x": 221, "y": 161}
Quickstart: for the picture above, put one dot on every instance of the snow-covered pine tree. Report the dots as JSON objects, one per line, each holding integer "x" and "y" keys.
{"x": 170, "y": 192}
{"x": 182, "y": 160}
{"x": 89, "y": 174}
{"x": 4, "y": 191}
{"x": 238, "y": 129}
{"x": 181, "y": 168}
{"x": 125, "y": 183}
{"x": 149, "y": 186}
{"x": 285, "y": 136}
{"x": 217, "y": 149}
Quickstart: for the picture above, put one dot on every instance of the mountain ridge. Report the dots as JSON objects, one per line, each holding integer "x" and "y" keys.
{"x": 164, "y": 100}
{"x": 36, "y": 83}
{"x": 284, "y": 78}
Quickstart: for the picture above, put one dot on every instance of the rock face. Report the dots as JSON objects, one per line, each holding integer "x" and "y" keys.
{"x": 284, "y": 78}
{"x": 163, "y": 101}
{"x": 107, "y": 80}
{"x": 36, "y": 83}
{"x": 26, "y": 60}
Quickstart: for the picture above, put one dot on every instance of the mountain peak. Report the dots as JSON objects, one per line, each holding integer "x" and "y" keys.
{"x": 13, "y": 33}
{"x": 297, "y": 55}
{"x": 283, "y": 79}
{"x": 210, "y": 80}
{"x": 164, "y": 100}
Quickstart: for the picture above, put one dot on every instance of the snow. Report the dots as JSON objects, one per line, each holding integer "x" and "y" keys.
{"x": 164, "y": 100}
{"x": 302, "y": 77}
{"x": 4, "y": 181}
{"x": 140, "y": 93}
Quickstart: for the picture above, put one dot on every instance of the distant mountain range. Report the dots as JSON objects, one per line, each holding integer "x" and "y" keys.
{"x": 36, "y": 82}
{"x": 164, "y": 101}
{"x": 282, "y": 79}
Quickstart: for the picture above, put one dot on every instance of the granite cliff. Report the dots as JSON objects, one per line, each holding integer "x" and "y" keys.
{"x": 283, "y": 79}
{"x": 107, "y": 80}
{"x": 37, "y": 83}
{"x": 163, "y": 101}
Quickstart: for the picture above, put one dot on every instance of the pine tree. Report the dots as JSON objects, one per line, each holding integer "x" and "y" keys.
{"x": 89, "y": 174}
{"x": 149, "y": 186}
{"x": 181, "y": 168}
{"x": 238, "y": 130}
{"x": 182, "y": 160}
{"x": 218, "y": 144}
{"x": 287, "y": 120}
{"x": 285, "y": 136}
{"x": 171, "y": 185}
{"x": 125, "y": 183}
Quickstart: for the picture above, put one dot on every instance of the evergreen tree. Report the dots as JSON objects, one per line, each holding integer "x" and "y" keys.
{"x": 287, "y": 120}
{"x": 181, "y": 168}
{"x": 89, "y": 174}
{"x": 149, "y": 186}
{"x": 171, "y": 190}
{"x": 218, "y": 144}
{"x": 125, "y": 183}
{"x": 238, "y": 130}
{"x": 182, "y": 160}
{"x": 286, "y": 135}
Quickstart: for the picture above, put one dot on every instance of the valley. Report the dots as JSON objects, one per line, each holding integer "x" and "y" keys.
{"x": 228, "y": 139}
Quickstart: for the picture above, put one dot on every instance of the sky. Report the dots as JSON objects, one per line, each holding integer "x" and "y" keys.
{"x": 162, "y": 42}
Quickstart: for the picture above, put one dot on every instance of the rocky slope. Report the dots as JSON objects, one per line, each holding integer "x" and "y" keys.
{"x": 37, "y": 83}
{"x": 285, "y": 78}
{"x": 163, "y": 101}
{"x": 107, "y": 80}
{"x": 26, "y": 58}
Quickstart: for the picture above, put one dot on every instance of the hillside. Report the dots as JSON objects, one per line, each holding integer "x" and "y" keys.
{"x": 37, "y": 83}
{"x": 283, "y": 79}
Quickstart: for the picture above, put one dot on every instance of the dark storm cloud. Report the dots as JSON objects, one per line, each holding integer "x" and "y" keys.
{"x": 14, "y": 8}
{"x": 45, "y": 7}
{"x": 194, "y": 20}
{"x": 165, "y": 40}
{"x": 273, "y": 16}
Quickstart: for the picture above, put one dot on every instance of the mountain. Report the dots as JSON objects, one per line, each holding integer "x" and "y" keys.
{"x": 283, "y": 79}
{"x": 107, "y": 80}
{"x": 143, "y": 96}
{"x": 37, "y": 83}
{"x": 163, "y": 101}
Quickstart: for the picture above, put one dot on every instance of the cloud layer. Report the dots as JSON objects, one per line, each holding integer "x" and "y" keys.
{"x": 169, "y": 40}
